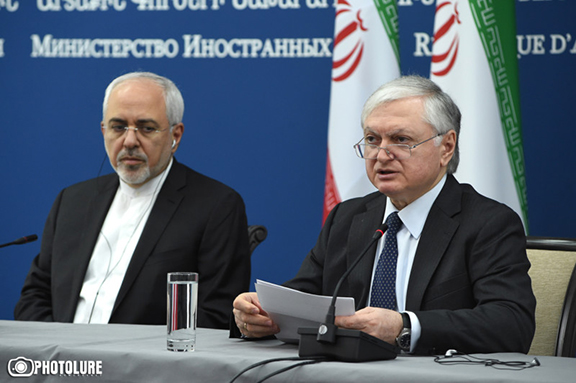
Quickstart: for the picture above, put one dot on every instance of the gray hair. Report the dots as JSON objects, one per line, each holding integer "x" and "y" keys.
{"x": 172, "y": 96}
{"x": 439, "y": 109}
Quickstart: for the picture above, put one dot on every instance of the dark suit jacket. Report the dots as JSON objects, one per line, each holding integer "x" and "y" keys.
{"x": 468, "y": 286}
{"x": 196, "y": 224}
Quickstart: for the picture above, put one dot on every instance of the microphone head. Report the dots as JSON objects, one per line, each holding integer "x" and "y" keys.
{"x": 26, "y": 239}
{"x": 380, "y": 231}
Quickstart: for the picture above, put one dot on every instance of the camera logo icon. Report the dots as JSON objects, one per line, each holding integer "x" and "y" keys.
{"x": 20, "y": 367}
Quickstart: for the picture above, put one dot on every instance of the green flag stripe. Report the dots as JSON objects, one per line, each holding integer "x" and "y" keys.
{"x": 496, "y": 24}
{"x": 388, "y": 11}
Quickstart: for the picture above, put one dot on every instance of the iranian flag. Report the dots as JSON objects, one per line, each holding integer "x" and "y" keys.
{"x": 365, "y": 56}
{"x": 474, "y": 61}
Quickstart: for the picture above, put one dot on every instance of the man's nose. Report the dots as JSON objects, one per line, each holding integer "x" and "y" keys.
{"x": 131, "y": 137}
{"x": 383, "y": 154}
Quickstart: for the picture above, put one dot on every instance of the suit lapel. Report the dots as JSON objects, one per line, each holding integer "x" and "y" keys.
{"x": 436, "y": 236}
{"x": 164, "y": 208}
{"x": 361, "y": 231}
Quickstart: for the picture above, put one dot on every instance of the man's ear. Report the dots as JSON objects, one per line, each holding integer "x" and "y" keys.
{"x": 177, "y": 133}
{"x": 448, "y": 147}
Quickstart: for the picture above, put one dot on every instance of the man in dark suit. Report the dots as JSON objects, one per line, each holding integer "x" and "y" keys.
{"x": 109, "y": 242}
{"x": 459, "y": 270}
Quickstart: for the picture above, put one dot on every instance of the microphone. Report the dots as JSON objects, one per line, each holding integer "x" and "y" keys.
{"x": 22, "y": 240}
{"x": 344, "y": 344}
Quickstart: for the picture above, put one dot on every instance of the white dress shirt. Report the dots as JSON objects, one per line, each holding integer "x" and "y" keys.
{"x": 116, "y": 243}
{"x": 413, "y": 219}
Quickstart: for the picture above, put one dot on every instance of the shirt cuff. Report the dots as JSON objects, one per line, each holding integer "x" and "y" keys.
{"x": 416, "y": 330}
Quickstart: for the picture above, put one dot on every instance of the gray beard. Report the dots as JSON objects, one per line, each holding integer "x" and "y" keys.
{"x": 134, "y": 175}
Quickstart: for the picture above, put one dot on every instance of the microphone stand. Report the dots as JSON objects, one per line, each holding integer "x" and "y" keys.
{"x": 344, "y": 344}
{"x": 21, "y": 241}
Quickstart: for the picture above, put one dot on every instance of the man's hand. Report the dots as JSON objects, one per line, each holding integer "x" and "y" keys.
{"x": 251, "y": 319}
{"x": 378, "y": 322}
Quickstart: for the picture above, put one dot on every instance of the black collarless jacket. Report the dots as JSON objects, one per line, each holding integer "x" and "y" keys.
{"x": 196, "y": 224}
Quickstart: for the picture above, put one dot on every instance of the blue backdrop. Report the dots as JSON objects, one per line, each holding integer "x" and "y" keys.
{"x": 255, "y": 75}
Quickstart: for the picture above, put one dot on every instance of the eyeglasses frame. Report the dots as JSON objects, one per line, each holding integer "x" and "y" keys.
{"x": 409, "y": 147}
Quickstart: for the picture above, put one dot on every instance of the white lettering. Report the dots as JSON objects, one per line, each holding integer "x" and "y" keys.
{"x": 193, "y": 5}
{"x": 317, "y": 4}
{"x": 80, "y": 5}
{"x": 39, "y": 49}
{"x": 171, "y": 48}
{"x": 48, "y": 5}
{"x": 45, "y": 367}
{"x": 67, "y": 367}
{"x": 194, "y": 46}
{"x": 152, "y": 5}
{"x": 534, "y": 44}
{"x": 268, "y": 50}
{"x": 539, "y": 45}
{"x": 191, "y": 46}
{"x": 9, "y": 5}
{"x": 281, "y": 47}
{"x": 308, "y": 48}
{"x": 1, "y": 47}
{"x": 103, "y": 48}
{"x": 221, "y": 48}
{"x": 217, "y": 3}
{"x": 325, "y": 47}
{"x": 265, "y": 4}
{"x": 207, "y": 47}
{"x": 236, "y": 53}
{"x": 53, "y": 367}
{"x": 198, "y": 47}
{"x": 422, "y": 46}
{"x": 558, "y": 44}
{"x": 89, "y": 367}
{"x": 37, "y": 366}
{"x": 238, "y": 5}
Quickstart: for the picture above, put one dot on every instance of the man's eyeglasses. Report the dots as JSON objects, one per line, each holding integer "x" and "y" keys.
{"x": 394, "y": 151}
{"x": 144, "y": 131}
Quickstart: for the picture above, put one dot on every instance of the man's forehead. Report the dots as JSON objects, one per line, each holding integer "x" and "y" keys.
{"x": 389, "y": 131}
{"x": 139, "y": 81}
{"x": 139, "y": 121}
{"x": 136, "y": 93}
{"x": 132, "y": 87}
{"x": 397, "y": 129}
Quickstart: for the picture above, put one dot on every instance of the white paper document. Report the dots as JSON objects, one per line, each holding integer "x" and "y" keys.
{"x": 291, "y": 309}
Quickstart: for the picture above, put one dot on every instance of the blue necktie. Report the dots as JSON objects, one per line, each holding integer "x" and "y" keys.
{"x": 384, "y": 284}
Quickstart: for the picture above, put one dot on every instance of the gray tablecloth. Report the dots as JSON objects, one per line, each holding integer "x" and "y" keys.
{"x": 129, "y": 353}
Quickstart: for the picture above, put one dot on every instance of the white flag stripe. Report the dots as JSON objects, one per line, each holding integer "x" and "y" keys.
{"x": 377, "y": 65}
{"x": 484, "y": 161}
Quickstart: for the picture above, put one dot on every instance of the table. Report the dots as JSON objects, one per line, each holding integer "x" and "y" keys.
{"x": 133, "y": 353}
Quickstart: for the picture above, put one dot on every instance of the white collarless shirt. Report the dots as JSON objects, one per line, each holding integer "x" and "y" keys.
{"x": 116, "y": 243}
